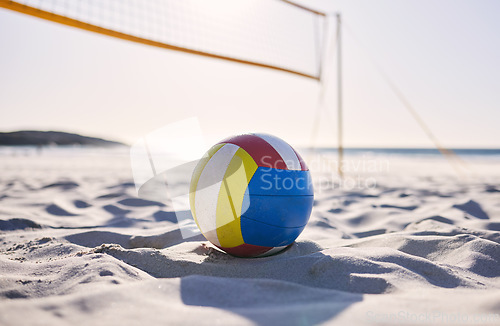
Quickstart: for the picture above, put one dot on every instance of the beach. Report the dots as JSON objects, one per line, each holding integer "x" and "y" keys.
{"x": 402, "y": 239}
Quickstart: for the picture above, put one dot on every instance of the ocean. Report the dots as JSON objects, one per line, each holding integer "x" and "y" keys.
{"x": 467, "y": 152}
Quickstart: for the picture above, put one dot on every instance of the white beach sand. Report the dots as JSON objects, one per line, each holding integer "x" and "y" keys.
{"x": 410, "y": 243}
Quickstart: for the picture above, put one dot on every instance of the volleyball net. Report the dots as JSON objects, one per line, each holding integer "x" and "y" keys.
{"x": 274, "y": 34}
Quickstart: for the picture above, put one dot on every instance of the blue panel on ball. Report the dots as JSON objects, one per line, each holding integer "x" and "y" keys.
{"x": 268, "y": 181}
{"x": 261, "y": 234}
{"x": 280, "y": 211}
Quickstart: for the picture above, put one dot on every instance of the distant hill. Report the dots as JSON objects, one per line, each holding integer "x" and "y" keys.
{"x": 45, "y": 138}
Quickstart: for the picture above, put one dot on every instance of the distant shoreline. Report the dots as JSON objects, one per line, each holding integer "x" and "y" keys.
{"x": 52, "y": 138}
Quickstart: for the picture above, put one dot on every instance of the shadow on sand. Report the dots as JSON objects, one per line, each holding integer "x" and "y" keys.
{"x": 266, "y": 301}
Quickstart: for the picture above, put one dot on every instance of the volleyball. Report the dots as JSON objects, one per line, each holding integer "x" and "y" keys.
{"x": 251, "y": 195}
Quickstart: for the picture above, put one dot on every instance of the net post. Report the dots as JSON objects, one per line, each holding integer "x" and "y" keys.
{"x": 340, "y": 148}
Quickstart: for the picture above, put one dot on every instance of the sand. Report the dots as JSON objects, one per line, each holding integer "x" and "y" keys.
{"x": 411, "y": 243}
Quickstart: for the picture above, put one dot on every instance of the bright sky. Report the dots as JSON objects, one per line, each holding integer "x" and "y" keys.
{"x": 443, "y": 55}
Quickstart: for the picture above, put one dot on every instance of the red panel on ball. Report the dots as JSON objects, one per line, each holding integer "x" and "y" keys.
{"x": 260, "y": 150}
{"x": 246, "y": 250}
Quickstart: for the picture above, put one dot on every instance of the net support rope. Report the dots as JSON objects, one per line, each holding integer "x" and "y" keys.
{"x": 455, "y": 161}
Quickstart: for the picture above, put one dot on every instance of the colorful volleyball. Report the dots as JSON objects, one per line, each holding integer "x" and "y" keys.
{"x": 251, "y": 195}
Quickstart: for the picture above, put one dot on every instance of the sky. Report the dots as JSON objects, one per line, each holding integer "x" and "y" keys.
{"x": 443, "y": 55}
